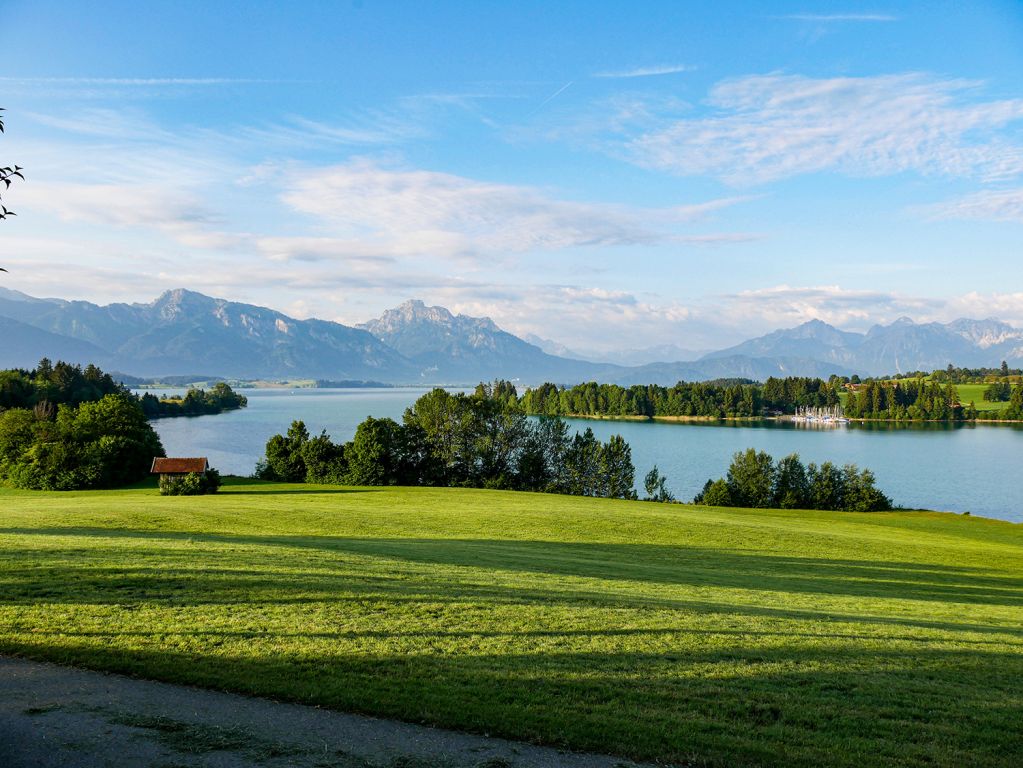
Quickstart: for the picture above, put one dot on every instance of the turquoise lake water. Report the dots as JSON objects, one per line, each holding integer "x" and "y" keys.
{"x": 952, "y": 468}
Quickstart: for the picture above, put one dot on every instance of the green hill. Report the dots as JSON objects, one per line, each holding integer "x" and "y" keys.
{"x": 685, "y": 634}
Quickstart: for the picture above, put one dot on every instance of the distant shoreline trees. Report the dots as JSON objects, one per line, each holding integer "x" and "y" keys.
{"x": 49, "y": 385}
{"x": 905, "y": 399}
{"x": 195, "y": 402}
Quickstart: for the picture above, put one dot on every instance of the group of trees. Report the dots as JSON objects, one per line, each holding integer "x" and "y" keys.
{"x": 481, "y": 440}
{"x": 196, "y": 402}
{"x": 100, "y": 444}
{"x": 63, "y": 427}
{"x": 708, "y": 399}
{"x": 50, "y": 385}
{"x": 909, "y": 399}
{"x": 755, "y": 480}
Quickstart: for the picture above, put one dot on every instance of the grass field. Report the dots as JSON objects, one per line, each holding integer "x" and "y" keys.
{"x": 967, "y": 392}
{"x": 975, "y": 392}
{"x": 684, "y": 634}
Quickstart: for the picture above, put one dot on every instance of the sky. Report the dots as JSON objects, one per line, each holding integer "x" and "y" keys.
{"x": 607, "y": 175}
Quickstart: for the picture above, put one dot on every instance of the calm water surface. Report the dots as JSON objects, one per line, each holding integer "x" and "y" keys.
{"x": 959, "y": 468}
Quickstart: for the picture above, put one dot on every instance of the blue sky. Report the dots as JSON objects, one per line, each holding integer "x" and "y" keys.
{"x": 602, "y": 174}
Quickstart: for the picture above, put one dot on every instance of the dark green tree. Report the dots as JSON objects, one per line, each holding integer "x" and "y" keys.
{"x": 751, "y": 479}
{"x": 617, "y": 473}
{"x": 655, "y": 486}
{"x": 791, "y": 485}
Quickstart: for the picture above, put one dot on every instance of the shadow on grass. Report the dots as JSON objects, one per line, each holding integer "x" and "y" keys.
{"x": 229, "y": 491}
{"x": 763, "y": 706}
{"x": 609, "y": 562}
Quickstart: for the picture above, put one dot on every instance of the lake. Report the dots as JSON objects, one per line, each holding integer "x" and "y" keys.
{"x": 955, "y": 468}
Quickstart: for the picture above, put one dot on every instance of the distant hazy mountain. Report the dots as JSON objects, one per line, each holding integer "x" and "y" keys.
{"x": 731, "y": 367}
{"x": 902, "y": 346}
{"x": 458, "y": 348}
{"x": 22, "y": 343}
{"x": 627, "y": 357}
{"x": 183, "y": 332}
{"x": 814, "y": 340}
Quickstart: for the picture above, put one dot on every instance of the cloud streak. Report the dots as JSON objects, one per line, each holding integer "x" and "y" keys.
{"x": 653, "y": 71}
{"x": 769, "y": 127}
{"x": 987, "y": 205}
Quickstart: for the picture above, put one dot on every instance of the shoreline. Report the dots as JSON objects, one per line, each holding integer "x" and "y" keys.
{"x": 761, "y": 419}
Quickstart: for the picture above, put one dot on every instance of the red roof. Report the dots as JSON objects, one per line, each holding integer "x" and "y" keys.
{"x": 179, "y": 466}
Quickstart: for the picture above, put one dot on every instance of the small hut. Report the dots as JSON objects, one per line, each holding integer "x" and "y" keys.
{"x": 171, "y": 467}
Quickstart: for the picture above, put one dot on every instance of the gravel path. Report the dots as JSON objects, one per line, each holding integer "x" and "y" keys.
{"x": 54, "y": 716}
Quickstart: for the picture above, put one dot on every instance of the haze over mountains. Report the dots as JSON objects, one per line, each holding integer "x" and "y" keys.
{"x": 183, "y": 332}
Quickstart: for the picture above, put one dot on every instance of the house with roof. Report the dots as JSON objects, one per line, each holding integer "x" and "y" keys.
{"x": 178, "y": 467}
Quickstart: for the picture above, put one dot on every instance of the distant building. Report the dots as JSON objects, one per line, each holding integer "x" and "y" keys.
{"x": 172, "y": 467}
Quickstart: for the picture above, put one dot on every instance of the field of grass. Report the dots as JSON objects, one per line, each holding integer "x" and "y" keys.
{"x": 975, "y": 392}
{"x": 683, "y": 634}
{"x": 967, "y": 392}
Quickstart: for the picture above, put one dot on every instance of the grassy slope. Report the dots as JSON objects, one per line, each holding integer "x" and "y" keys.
{"x": 655, "y": 631}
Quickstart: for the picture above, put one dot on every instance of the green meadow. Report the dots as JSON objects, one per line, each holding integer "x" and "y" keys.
{"x": 975, "y": 393}
{"x": 666, "y": 632}
{"x": 967, "y": 393}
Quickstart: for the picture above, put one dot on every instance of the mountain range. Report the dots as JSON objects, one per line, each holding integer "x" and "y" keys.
{"x": 184, "y": 332}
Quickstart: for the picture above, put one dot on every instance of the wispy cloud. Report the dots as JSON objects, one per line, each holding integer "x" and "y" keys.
{"x": 652, "y": 71}
{"x": 988, "y": 205}
{"x": 838, "y": 17}
{"x": 775, "y": 126}
{"x": 406, "y": 212}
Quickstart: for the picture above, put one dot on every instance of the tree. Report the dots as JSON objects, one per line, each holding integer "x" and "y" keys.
{"x": 791, "y": 485}
{"x": 827, "y": 486}
{"x": 542, "y": 458}
{"x": 716, "y": 494}
{"x": 284, "y": 460}
{"x": 582, "y": 465}
{"x": 7, "y": 175}
{"x": 751, "y": 479}
{"x": 654, "y": 485}
{"x": 617, "y": 473}
{"x": 372, "y": 454}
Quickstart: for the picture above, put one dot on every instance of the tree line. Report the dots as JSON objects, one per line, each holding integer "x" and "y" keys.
{"x": 755, "y": 480}
{"x": 719, "y": 400}
{"x": 195, "y": 402}
{"x": 480, "y": 440}
{"x": 927, "y": 400}
{"x": 50, "y": 385}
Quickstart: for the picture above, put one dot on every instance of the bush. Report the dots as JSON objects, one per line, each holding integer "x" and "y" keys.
{"x": 192, "y": 484}
{"x": 717, "y": 494}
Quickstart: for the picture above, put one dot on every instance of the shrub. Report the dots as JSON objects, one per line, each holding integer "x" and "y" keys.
{"x": 717, "y": 494}
{"x": 192, "y": 484}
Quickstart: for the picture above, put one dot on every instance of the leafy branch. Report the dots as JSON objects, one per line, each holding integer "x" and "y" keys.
{"x": 7, "y": 174}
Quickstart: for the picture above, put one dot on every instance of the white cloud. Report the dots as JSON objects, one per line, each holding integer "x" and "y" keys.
{"x": 988, "y": 205}
{"x": 408, "y": 212}
{"x": 775, "y": 126}
{"x": 663, "y": 69}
